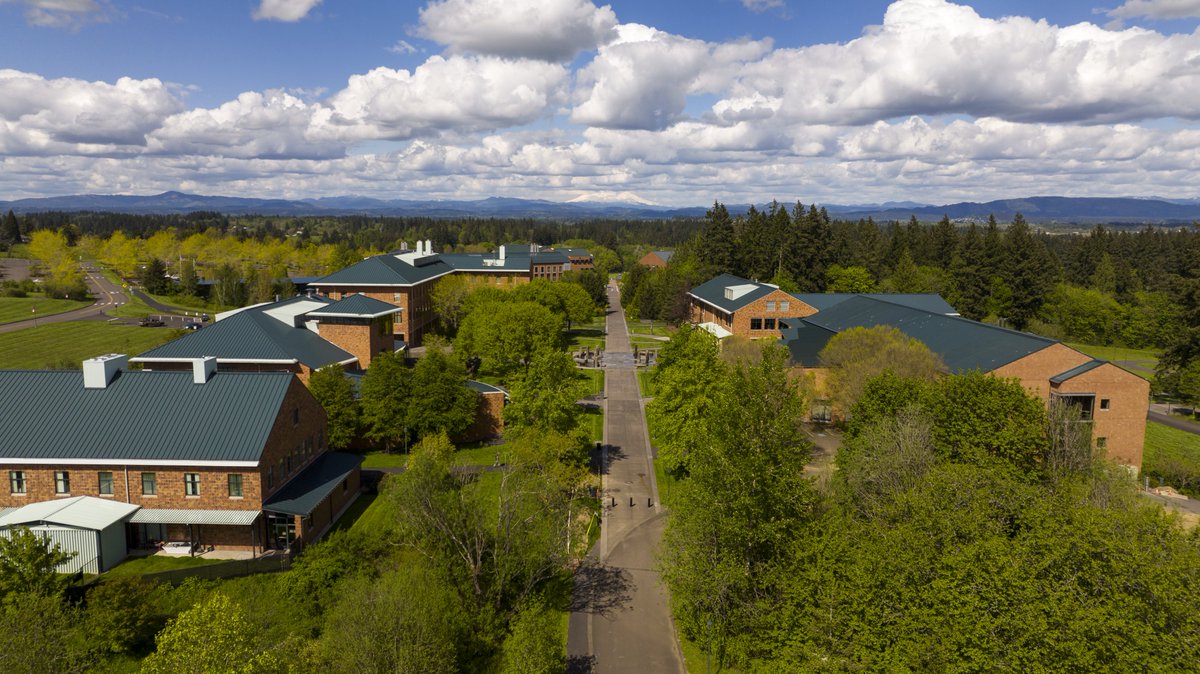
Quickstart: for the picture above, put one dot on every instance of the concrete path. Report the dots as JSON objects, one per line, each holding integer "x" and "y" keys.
{"x": 108, "y": 296}
{"x": 1158, "y": 412}
{"x": 621, "y": 620}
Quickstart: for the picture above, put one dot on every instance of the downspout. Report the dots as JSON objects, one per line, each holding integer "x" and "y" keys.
{"x": 127, "y": 498}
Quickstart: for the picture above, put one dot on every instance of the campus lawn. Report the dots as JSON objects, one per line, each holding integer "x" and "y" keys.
{"x": 595, "y": 379}
{"x": 644, "y": 377}
{"x": 656, "y": 329}
{"x": 13, "y": 309}
{"x": 1145, "y": 359}
{"x": 1174, "y": 456}
{"x": 138, "y": 566}
{"x": 593, "y": 419}
{"x": 385, "y": 460}
{"x": 69, "y": 344}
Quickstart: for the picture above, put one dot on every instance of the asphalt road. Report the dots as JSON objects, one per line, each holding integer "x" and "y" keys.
{"x": 621, "y": 620}
{"x": 108, "y": 296}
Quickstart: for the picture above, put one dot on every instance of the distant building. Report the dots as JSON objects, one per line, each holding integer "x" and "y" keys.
{"x": 656, "y": 258}
{"x": 229, "y": 460}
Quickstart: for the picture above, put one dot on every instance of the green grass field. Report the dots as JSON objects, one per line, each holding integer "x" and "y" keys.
{"x": 58, "y": 344}
{"x": 593, "y": 419}
{"x": 137, "y": 566}
{"x": 13, "y": 309}
{"x": 385, "y": 460}
{"x": 644, "y": 375}
{"x": 1145, "y": 359}
{"x": 1174, "y": 456}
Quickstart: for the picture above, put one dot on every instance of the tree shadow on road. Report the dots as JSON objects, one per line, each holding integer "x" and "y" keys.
{"x": 603, "y": 457}
{"x": 581, "y": 664}
{"x": 601, "y": 589}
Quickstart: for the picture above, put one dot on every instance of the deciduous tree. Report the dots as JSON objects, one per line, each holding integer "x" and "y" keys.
{"x": 334, "y": 390}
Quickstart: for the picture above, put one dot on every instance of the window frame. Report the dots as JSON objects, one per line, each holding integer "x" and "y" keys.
{"x": 756, "y": 324}
{"x": 104, "y": 477}
{"x": 17, "y": 481}
{"x": 238, "y": 479}
{"x": 1105, "y": 404}
{"x": 771, "y": 305}
{"x": 191, "y": 484}
{"x": 62, "y": 482}
{"x": 149, "y": 479}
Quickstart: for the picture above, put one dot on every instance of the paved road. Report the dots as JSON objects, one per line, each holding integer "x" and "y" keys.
{"x": 621, "y": 621}
{"x": 108, "y": 296}
{"x": 1158, "y": 412}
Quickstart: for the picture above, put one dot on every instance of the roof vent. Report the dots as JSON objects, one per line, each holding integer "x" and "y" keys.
{"x": 99, "y": 372}
{"x": 502, "y": 253}
{"x": 734, "y": 292}
{"x": 203, "y": 369}
{"x": 428, "y": 247}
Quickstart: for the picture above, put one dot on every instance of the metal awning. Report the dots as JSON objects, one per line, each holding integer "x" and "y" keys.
{"x": 182, "y": 516}
{"x": 716, "y": 330}
{"x": 306, "y": 491}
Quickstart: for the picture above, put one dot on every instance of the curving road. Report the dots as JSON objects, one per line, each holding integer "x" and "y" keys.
{"x": 108, "y": 296}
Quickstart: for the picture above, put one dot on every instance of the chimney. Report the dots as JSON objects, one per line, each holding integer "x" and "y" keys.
{"x": 203, "y": 369}
{"x": 420, "y": 248}
{"x": 502, "y": 253}
{"x": 403, "y": 246}
{"x": 98, "y": 372}
{"x": 428, "y": 247}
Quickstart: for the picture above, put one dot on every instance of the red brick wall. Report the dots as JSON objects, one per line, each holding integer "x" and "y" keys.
{"x": 417, "y": 317}
{"x": 489, "y": 419}
{"x": 1123, "y": 424}
{"x": 739, "y": 323}
{"x": 363, "y": 340}
{"x": 288, "y": 438}
{"x": 652, "y": 260}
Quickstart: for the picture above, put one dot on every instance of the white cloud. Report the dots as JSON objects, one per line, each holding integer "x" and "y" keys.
{"x": 39, "y": 116}
{"x": 642, "y": 79}
{"x": 70, "y": 14}
{"x": 762, "y": 5}
{"x": 1157, "y": 9}
{"x": 402, "y": 47}
{"x": 288, "y": 11}
{"x": 550, "y": 30}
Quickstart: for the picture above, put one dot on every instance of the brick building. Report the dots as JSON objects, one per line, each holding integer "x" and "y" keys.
{"x": 229, "y": 460}
{"x": 1112, "y": 400}
{"x": 729, "y": 305}
{"x": 405, "y": 278}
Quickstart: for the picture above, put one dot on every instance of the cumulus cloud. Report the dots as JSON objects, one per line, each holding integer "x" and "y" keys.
{"x": 456, "y": 92}
{"x": 288, "y": 11}
{"x": 70, "y": 14}
{"x": 1156, "y": 9}
{"x": 549, "y": 30}
{"x": 932, "y": 57}
{"x": 38, "y": 115}
{"x": 642, "y": 79}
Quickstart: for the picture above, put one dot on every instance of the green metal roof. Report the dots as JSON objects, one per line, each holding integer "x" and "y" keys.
{"x": 356, "y": 305}
{"x": 804, "y": 342}
{"x": 550, "y": 257}
{"x": 713, "y": 292}
{"x": 489, "y": 262}
{"x": 482, "y": 387}
{"x": 161, "y": 418}
{"x": 306, "y": 491}
{"x": 931, "y": 302}
{"x": 251, "y": 335}
{"x": 1076, "y": 371}
{"x": 962, "y": 344}
{"x": 386, "y": 270}
{"x": 664, "y": 255}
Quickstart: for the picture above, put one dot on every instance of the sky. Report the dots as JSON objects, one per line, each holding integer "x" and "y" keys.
{"x": 671, "y": 102}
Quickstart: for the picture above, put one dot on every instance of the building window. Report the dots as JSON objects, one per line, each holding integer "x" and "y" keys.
{"x": 16, "y": 481}
{"x": 769, "y": 323}
{"x": 235, "y": 485}
{"x": 62, "y": 482}
{"x": 1083, "y": 402}
{"x": 345, "y": 485}
{"x": 270, "y": 477}
{"x": 1101, "y": 443}
{"x": 295, "y": 416}
{"x": 1104, "y": 403}
{"x": 106, "y": 483}
{"x": 756, "y": 324}
{"x": 149, "y": 484}
{"x": 191, "y": 484}
{"x": 783, "y": 306}
{"x": 289, "y": 462}
{"x": 770, "y": 306}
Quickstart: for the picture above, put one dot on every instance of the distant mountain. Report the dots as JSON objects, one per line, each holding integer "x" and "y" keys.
{"x": 1040, "y": 210}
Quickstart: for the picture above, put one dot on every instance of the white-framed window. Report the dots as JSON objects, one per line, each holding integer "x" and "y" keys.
{"x": 105, "y": 481}
{"x": 149, "y": 484}
{"x": 784, "y": 305}
{"x": 235, "y": 485}
{"x": 62, "y": 482}
{"x": 191, "y": 484}
{"x": 771, "y": 306}
{"x": 16, "y": 482}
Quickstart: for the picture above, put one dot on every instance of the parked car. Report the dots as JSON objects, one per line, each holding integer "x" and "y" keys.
{"x": 151, "y": 323}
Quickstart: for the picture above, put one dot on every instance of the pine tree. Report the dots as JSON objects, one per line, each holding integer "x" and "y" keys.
{"x": 718, "y": 245}
{"x": 945, "y": 243}
{"x": 993, "y": 247}
{"x": 10, "y": 231}
{"x": 1028, "y": 272}
{"x": 972, "y": 284}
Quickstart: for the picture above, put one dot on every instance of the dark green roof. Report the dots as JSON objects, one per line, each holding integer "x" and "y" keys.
{"x": 931, "y": 302}
{"x": 551, "y": 257}
{"x": 306, "y": 491}
{"x": 804, "y": 342}
{"x": 713, "y": 292}
{"x": 513, "y": 262}
{"x": 482, "y": 387}
{"x": 1076, "y": 371}
{"x": 664, "y": 255}
{"x": 356, "y": 305}
{"x": 139, "y": 416}
{"x": 962, "y": 344}
{"x": 386, "y": 270}
{"x": 252, "y": 335}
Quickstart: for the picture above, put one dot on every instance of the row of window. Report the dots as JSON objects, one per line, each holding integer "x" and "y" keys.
{"x": 295, "y": 458}
{"x": 783, "y": 306}
{"x": 762, "y": 323}
{"x": 18, "y": 483}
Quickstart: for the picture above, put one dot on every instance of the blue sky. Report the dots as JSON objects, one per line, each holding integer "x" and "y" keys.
{"x": 670, "y": 102}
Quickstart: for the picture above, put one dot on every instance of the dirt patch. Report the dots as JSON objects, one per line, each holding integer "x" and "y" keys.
{"x": 14, "y": 269}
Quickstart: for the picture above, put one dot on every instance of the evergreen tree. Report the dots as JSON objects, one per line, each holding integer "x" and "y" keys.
{"x": 945, "y": 243}
{"x": 718, "y": 245}
{"x": 993, "y": 248}
{"x": 1029, "y": 272}
{"x": 154, "y": 278}
{"x": 10, "y": 231}
{"x": 971, "y": 281}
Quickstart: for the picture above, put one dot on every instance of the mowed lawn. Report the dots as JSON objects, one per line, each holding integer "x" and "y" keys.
{"x": 1143, "y": 360}
{"x": 57, "y": 344}
{"x": 13, "y": 309}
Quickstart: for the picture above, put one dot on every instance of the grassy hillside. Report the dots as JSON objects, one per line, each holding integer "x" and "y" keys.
{"x": 13, "y": 309}
{"x": 63, "y": 344}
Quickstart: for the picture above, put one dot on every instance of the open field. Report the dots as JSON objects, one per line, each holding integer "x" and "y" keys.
{"x": 1144, "y": 360}
{"x": 137, "y": 566}
{"x": 1174, "y": 456}
{"x": 13, "y": 309}
{"x": 62, "y": 344}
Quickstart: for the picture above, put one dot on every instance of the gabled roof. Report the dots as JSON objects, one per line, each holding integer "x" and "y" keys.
{"x": 1076, "y": 371}
{"x": 664, "y": 255}
{"x": 931, "y": 302}
{"x": 746, "y": 291}
{"x": 84, "y": 512}
{"x": 306, "y": 491}
{"x": 356, "y": 306}
{"x": 551, "y": 257}
{"x": 490, "y": 262}
{"x": 141, "y": 417}
{"x": 962, "y": 344}
{"x": 386, "y": 270}
{"x": 251, "y": 336}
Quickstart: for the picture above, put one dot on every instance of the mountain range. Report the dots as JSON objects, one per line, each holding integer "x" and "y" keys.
{"x": 1043, "y": 210}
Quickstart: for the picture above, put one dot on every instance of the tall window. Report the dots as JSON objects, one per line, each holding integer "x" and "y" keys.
{"x": 235, "y": 485}
{"x": 191, "y": 484}
{"x": 270, "y": 477}
{"x": 62, "y": 482}
{"x": 106, "y": 483}
{"x": 16, "y": 481}
{"x": 149, "y": 484}
{"x": 769, "y": 323}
